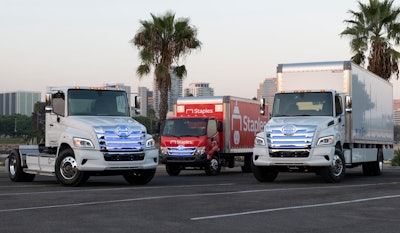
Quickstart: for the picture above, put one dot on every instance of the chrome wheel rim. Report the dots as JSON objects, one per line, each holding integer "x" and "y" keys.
{"x": 214, "y": 164}
{"x": 337, "y": 165}
{"x": 12, "y": 165}
{"x": 68, "y": 168}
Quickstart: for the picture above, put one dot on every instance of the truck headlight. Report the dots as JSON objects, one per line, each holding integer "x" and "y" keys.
{"x": 164, "y": 151}
{"x": 82, "y": 143}
{"x": 200, "y": 150}
{"x": 150, "y": 142}
{"x": 324, "y": 141}
{"x": 258, "y": 141}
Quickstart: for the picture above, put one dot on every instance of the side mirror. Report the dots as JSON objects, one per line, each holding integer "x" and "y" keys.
{"x": 262, "y": 106}
{"x": 48, "y": 99}
{"x": 48, "y": 108}
{"x": 349, "y": 105}
{"x": 219, "y": 126}
{"x": 137, "y": 102}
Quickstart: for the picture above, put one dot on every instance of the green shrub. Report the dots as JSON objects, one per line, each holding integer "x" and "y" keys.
{"x": 396, "y": 158}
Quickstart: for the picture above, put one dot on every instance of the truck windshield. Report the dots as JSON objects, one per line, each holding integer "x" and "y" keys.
{"x": 185, "y": 127}
{"x": 303, "y": 104}
{"x": 97, "y": 103}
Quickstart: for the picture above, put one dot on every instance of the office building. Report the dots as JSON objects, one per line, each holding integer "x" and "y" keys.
{"x": 199, "y": 89}
{"x": 20, "y": 102}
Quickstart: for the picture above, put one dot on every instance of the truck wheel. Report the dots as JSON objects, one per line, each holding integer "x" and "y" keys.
{"x": 15, "y": 171}
{"x": 264, "y": 174}
{"x": 173, "y": 170}
{"x": 139, "y": 176}
{"x": 374, "y": 168}
{"x": 67, "y": 172}
{"x": 336, "y": 172}
{"x": 213, "y": 166}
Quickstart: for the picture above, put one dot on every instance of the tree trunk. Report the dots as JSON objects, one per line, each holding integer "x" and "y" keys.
{"x": 163, "y": 108}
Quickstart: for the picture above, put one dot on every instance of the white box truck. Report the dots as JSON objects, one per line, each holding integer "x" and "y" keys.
{"x": 326, "y": 117}
{"x": 88, "y": 131}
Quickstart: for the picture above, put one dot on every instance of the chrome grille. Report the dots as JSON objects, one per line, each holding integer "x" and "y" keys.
{"x": 112, "y": 140}
{"x": 181, "y": 151}
{"x": 300, "y": 138}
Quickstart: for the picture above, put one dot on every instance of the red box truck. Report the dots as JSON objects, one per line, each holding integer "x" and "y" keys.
{"x": 208, "y": 132}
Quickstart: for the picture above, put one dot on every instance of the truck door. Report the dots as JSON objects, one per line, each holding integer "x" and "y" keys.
{"x": 340, "y": 116}
{"x": 213, "y": 142}
{"x": 53, "y": 126}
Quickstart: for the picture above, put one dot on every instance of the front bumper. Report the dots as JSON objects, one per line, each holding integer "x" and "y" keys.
{"x": 189, "y": 161}
{"x": 90, "y": 160}
{"x": 318, "y": 157}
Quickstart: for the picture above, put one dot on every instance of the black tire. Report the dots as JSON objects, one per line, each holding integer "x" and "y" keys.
{"x": 231, "y": 161}
{"x": 336, "y": 172}
{"x": 15, "y": 170}
{"x": 246, "y": 168}
{"x": 139, "y": 177}
{"x": 264, "y": 174}
{"x": 213, "y": 166}
{"x": 67, "y": 172}
{"x": 173, "y": 169}
{"x": 374, "y": 168}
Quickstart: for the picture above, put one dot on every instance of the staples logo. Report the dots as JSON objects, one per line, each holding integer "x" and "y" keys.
{"x": 181, "y": 142}
{"x": 244, "y": 123}
{"x": 199, "y": 111}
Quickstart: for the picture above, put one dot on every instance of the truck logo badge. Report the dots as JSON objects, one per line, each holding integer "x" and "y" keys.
{"x": 123, "y": 131}
{"x": 236, "y": 130}
{"x": 288, "y": 130}
{"x": 180, "y": 147}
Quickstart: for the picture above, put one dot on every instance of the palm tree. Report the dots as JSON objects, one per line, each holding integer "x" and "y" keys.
{"x": 162, "y": 41}
{"x": 375, "y": 29}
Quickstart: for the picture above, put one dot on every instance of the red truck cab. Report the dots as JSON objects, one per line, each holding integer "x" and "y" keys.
{"x": 191, "y": 142}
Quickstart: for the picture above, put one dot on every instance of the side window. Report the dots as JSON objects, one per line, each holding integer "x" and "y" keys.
{"x": 59, "y": 103}
{"x": 122, "y": 106}
{"x": 338, "y": 105}
{"x": 211, "y": 128}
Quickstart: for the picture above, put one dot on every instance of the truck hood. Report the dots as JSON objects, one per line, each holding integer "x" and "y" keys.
{"x": 317, "y": 122}
{"x": 106, "y": 123}
{"x": 168, "y": 141}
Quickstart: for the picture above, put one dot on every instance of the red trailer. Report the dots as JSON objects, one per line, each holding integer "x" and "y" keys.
{"x": 208, "y": 132}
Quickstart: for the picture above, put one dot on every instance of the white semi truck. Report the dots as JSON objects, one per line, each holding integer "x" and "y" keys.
{"x": 326, "y": 117}
{"x": 88, "y": 131}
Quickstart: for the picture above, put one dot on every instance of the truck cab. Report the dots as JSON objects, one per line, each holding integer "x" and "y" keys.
{"x": 88, "y": 131}
{"x": 191, "y": 142}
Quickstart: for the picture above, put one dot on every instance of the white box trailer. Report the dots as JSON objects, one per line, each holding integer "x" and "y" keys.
{"x": 326, "y": 116}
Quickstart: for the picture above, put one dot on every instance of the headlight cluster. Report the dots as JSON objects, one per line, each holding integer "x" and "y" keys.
{"x": 164, "y": 150}
{"x": 200, "y": 150}
{"x": 258, "y": 141}
{"x": 83, "y": 143}
{"x": 328, "y": 140}
{"x": 150, "y": 142}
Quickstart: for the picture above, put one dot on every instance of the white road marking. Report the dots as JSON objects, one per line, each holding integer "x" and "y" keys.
{"x": 109, "y": 189}
{"x": 185, "y": 195}
{"x": 293, "y": 207}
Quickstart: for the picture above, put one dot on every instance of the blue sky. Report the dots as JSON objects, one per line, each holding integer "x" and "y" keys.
{"x": 86, "y": 42}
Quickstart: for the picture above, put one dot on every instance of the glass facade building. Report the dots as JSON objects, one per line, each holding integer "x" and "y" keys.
{"x": 20, "y": 102}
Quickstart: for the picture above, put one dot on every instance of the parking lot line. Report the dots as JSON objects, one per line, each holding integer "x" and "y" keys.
{"x": 293, "y": 207}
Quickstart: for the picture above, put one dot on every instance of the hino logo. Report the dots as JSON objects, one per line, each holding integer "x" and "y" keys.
{"x": 288, "y": 130}
{"x": 123, "y": 131}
